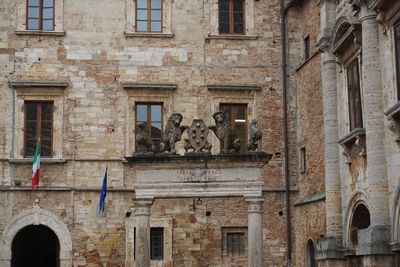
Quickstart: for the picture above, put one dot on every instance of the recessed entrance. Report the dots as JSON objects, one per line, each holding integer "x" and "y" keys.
{"x": 361, "y": 220}
{"x": 35, "y": 246}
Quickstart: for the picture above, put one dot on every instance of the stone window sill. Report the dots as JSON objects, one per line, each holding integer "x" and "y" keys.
{"x": 41, "y": 33}
{"x": 148, "y": 35}
{"x": 355, "y": 138}
{"x": 29, "y": 160}
{"x": 232, "y": 37}
{"x": 393, "y": 115}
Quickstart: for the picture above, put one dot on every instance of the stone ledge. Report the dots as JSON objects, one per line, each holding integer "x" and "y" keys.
{"x": 29, "y": 160}
{"x": 166, "y": 86}
{"x": 310, "y": 199}
{"x": 329, "y": 248}
{"x": 41, "y": 84}
{"x": 234, "y": 87}
{"x": 232, "y": 37}
{"x": 393, "y": 112}
{"x": 148, "y": 35}
{"x": 352, "y": 136}
{"x": 41, "y": 33}
{"x": 193, "y": 158}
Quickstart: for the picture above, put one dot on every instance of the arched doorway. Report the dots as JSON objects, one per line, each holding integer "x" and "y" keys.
{"x": 310, "y": 256}
{"x": 361, "y": 220}
{"x": 35, "y": 246}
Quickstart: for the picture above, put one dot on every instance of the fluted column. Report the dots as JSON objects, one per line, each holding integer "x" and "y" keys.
{"x": 374, "y": 119}
{"x": 255, "y": 232}
{"x": 142, "y": 247}
{"x": 332, "y": 174}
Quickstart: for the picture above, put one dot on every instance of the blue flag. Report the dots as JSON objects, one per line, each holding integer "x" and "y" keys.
{"x": 103, "y": 193}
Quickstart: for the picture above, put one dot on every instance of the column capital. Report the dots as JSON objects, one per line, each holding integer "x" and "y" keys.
{"x": 255, "y": 204}
{"x": 366, "y": 12}
{"x": 143, "y": 206}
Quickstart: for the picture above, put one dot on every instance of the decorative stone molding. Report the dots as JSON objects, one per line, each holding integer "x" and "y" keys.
{"x": 345, "y": 34}
{"x": 355, "y": 139}
{"x": 329, "y": 247}
{"x": 143, "y": 206}
{"x": 255, "y": 204}
{"x": 36, "y": 216}
{"x": 393, "y": 115}
{"x": 166, "y": 86}
{"x": 234, "y": 87}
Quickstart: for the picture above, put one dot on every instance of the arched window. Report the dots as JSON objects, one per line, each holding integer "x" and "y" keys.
{"x": 310, "y": 256}
{"x": 361, "y": 220}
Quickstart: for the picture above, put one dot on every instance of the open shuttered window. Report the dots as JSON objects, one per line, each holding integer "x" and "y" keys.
{"x": 38, "y": 124}
{"x": 40, "y": 15}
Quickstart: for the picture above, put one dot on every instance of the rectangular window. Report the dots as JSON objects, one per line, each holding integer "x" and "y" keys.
{"x": 307, "y": 47}
{"x": 38, "y": 124}
{"x": 148, "y": 16}
{"x": 231, "y": 16}
{"x": 235, "y": 244}
{"x": 353, "y": 86}
{"x": 237, "y": 115}
{"x": 303, "y": 160}
{"x": 40, "y": 15}
{"x": 149, "y": 116}
{"x": 157, "y": 243}
{"x": 397, "y": 44}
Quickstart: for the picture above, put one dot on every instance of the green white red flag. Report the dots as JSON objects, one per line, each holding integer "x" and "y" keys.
{"x": 36, "y": 166}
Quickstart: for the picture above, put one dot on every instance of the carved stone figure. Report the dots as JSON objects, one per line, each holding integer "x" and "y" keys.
{"x": 197, "y": 141}
{"x": 172, "y": 133}
{"x": 143, "y": 144}
{"x": 224, "y": 132}
{"x": 255, "y": 135}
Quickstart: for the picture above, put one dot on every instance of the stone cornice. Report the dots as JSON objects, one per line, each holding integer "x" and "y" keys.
{"x": 38, "y": 84}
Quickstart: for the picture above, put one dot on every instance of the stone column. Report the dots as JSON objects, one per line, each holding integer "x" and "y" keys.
{"x": 255, "y": 232}
{"x": 374, "y": 119}
{"x": 142, "y": 247}
{"x": 332, "y": 174}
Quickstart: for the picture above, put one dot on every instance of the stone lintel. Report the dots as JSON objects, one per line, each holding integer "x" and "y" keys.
{"x": 234, "y": 87}
{"x": 329, "y": 247}
{"x": 374, "y": 241}
{"x": 40, "y": 84}
{"x": 166, "y": 86}
{"x": 148, "y": 35}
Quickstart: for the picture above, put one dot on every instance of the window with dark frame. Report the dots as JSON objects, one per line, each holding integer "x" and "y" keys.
{"x": 303, "y": 160}
{"x": 40, "y": 15}
{"x": 353, "y": 86}
{"x": 235, "y": 244}
{"x": 307, "y": 47}
{"x": 237, "y": 115}
{"x": 150, "y": 116}
{"x": 38, "y": 124}
{"x": 397, "y": 44}
{"x": 157, "y": 243}
{"x": 231, "y": 16}
{"x": 148, "y": 15}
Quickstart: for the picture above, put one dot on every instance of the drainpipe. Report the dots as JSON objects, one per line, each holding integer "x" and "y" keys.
{"x": 283, "y": 11}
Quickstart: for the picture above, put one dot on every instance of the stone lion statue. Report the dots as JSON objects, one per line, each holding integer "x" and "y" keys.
{"x": 224, "y": 132}
{"x": 172, "y": 133}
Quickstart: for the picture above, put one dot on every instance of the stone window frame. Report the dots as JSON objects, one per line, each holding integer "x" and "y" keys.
{"x": 144, "y": 93}
{"x": 249, "y": 22}
{"x": 38, "y": 92}
{"x": 356, "y": 61}
{"x": 396, "y": 45}
{"x": 232, "y": 94}
{"x": 21, "y": 27}
{"x": 225, "y": 230}
{"x": 149, "y": 121}
{"x": 166, "y": 22}
{"x": 166, "y": 224}
{"x": 303, "y": 159}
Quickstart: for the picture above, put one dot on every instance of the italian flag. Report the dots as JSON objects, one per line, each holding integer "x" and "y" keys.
{"x": 36, "y": 166}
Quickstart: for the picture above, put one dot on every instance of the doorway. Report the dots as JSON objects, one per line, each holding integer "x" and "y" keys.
{"x": 35, "y": 246}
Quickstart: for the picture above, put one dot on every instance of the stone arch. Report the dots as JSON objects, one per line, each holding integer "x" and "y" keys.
{"x": 395, "y": 225}
{"x": 310, "y": 253}
{"x": 36, "y": 216}
{"x": 354, "y": 204}
{"x": 343, "y": 32}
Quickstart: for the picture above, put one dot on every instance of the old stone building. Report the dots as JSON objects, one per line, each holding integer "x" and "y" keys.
{"x": 122, "y": 85}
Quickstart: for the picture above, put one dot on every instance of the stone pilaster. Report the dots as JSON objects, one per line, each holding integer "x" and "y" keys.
{"x": 373, "y": 117}
{"x": 142, "y": 214}
{"x": 255, "y": 232}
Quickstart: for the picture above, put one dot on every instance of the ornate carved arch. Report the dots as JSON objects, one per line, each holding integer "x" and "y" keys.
{"x": 345, "y": 33}
{"x": 359, "y": 197}
{"x": 36, "y": 216}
